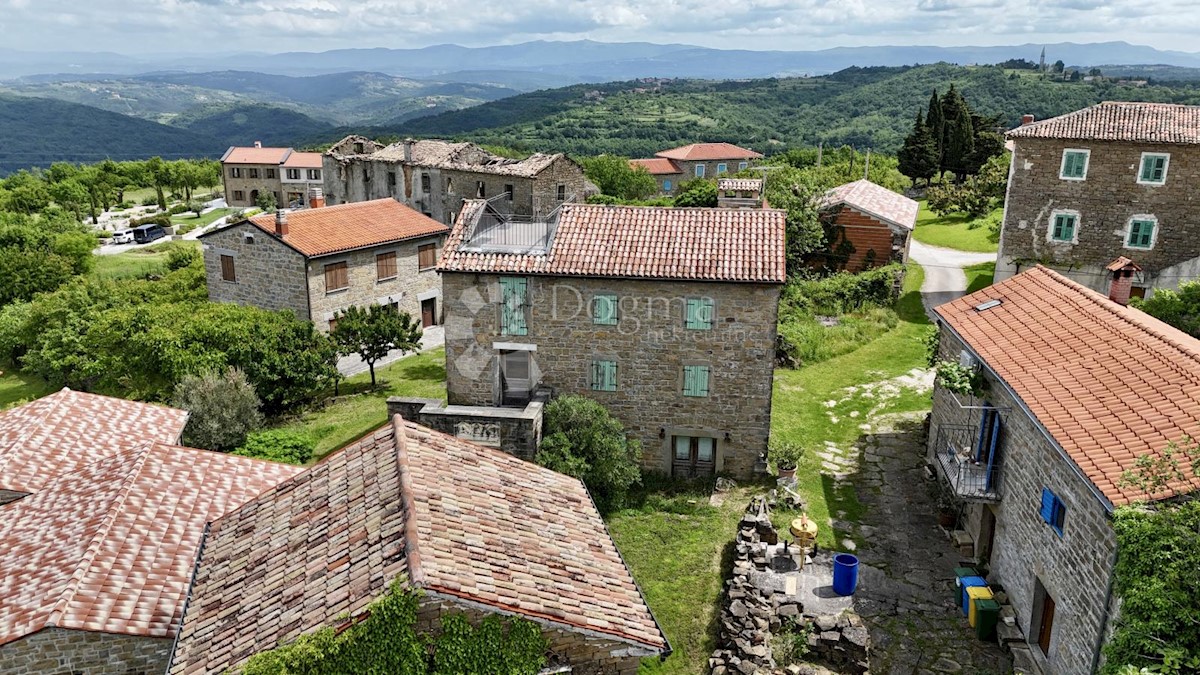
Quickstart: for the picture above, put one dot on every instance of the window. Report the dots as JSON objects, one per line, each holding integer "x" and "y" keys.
{"x": 722, "y": 168}
{"x": 228, "y": 271}
{"x": 604, "y": 375}
{"x": 427, "y": 256}
{"x": 293, "y": 174}
{"x": 513, "y": 291}
{"x": 698, "y": 314}
{"x": 254, "y": 173}
{"x": 743, "y": 165}
{"x": 699, "y": 171}
{"x": 695, "y": 380}
{"x": 358, "y": 148}
{"x": 508, "y": 190}
{"x": 1154, "y": 168}
{"x": 604, "y": 309}
{"x": 562, "y": 192}
{"x": 1141, "y": 232}
{"x": 666, "y": 186}
{"x": 314, "y": 174}
{"x": 425, "y": 183}
{"x": 391, "y": 179}
{"x": 1074, "y": 164}
{"x": 239, "y": 195}
{"x": 270, "y": 173}
{"x": 366, "y": 176}
{"x": 693, "y": 456}
{"x": 480, "y": 190}
{"x": 337, "y": 277}
{"x": 1063, "y": 226}
{"x": 235, "y": 172}
{"x": 1054, "y": 511}
{"x": 385, "y": 266}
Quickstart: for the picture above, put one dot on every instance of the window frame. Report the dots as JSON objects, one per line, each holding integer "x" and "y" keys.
{"x": 508, "y": 190}
{"x": 1053, "y": 511}
{"x": 1141, "y": 218}
{"x": 666, "y": 185}
{"x": 699, "y": 170}
{"x": 742, "y": 166}
{"x": 1087, "y": 162}
{"x": 239, "y": 195}
{"x": 561, "y": 192}
{"x": 693, "y": 367}
{"x": 391, "y": 179}
{"x": 699, "y": 302}
{"x": 252, "y": 172}
{"x": 607, "y": 383}
{"x": 611, "y": 320}
{"x": 480, "y": 190}
{"x": 293, "y": 174}
{"x": 1142, "y": 168}
{"x": 314, "y": 174}
{"x": 381, "y": 266}
{"x": 1054, "y": 215}
{"x": 334, "y": 267}
{"x": 270, "y": 173}
{"x": 722, "y": 168}
{"x": 426, "y": 247}
{"x": 235, "y": 172}
{"x": 228, "y": 268}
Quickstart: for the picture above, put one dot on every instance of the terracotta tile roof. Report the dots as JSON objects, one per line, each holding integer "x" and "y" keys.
{"x": 66, "y": 430}
{"x": 252, "y": 155}
{"x": 303, "y": 160}
{"x": 331, "y": 229}
{"x": 699, "y": 152}
{"x": 874, "y": 200}
{"x": 745, "y": 184}
{"x": 461, "y": 520}
{"x": 1120, "y": 121}
{"x": 649, "y": 242}
{"x": 658, "y": 166}
{"x": 111, "y": 546}
{"x": 1108, "y": 383}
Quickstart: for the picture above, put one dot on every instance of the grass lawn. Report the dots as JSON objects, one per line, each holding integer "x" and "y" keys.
{"x": 190, "y": 222}
{"x": 16, "y": 387}
{"x": 137, "y": 262}
{"x": 955, "y": 231}
{"x": 979, "y": 276}
{"x": 358, "y": 410}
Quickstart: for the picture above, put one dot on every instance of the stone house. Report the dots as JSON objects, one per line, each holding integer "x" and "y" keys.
{"x": 494, "y": 535}
{"x": 740, "y": 193}
{"x": 666, "y": 316}
{"x": 320, "y": 261}
{"x": 434, "y": 177}
{"x": 698, "y": 160}
{"x": 866, "y": 225}
{"x": 1077, "y": 387}
{"x": 100, "y": 544}
{"x": 288, "y": 175}
{"x": 1115, "y": 179}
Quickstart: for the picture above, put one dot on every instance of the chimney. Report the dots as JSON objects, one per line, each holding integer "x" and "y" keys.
{"x": 316, "y": 199}
{"x": 258, "y": 144}
{"x": 408, "y": 147}
{"x": 1120, "y": 280}
{"x": 1026, "y": 119}
{"x": 281, "y": 226}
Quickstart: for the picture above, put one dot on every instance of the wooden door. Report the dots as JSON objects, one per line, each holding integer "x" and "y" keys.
{"x": 693, "y": 456}
{"x": 1047, "y": 623}
{"x": 429, "y": 312}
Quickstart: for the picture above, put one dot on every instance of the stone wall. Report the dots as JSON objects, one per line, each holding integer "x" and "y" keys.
{"x": 248, "y": 185}
{"x": 269, "y": 273}
{"x": 1106, "y": 200}
{"x": 1074, "y": 568}
{"x": 650, "y": 346}
{"x": 59, "y": 651}
{"x": 517, "y": 431}
{"x": 586, "y": 653}
{"x": 688, "y": 168}
{"x": 408, "y": 287}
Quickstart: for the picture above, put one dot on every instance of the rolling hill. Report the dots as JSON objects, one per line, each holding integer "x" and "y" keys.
{"x": 243, "y": 124}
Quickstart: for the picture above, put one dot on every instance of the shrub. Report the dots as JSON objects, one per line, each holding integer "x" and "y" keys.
{"x": 181, "y": 257}
{"x": 157, "y": 219}
{"x": 583, "y": 440}
{"x": 152, "y": 200}
{"x": 224, "y": 409}
{"x": 278, "y": 445}
{"x": 785, "y": 454}
{"x": 178, "y": 209}
{"x": 843, "y": 292}
{"x": 104, "y": 234}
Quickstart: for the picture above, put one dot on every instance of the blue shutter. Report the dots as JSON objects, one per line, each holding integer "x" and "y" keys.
{"x": 1048, "y": 500}
{"x": 992, "y": 451}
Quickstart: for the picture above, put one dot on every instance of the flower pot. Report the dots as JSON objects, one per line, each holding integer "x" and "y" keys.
{"x": 787, "y": 474}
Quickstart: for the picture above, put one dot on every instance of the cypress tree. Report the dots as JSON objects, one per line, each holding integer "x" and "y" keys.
{"x": 918, "y": 158}
{"x": 960, "y": 144}
{"x": 936, "y": 124}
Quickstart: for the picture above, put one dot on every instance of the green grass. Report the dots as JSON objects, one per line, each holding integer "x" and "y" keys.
{"x": 957, "y": 231}
{"x": 18, "y": 387}
{"x": 190, "y": 221}
{"x": 138, "y": 262}
{"x": 816, "y": 342}
{"x": 979, "y": 276}
{"x": 359, "y": 409}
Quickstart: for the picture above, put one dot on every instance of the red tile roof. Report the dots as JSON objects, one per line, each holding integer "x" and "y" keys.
{"x": 875, "y": 201}
{"x": 1108, "y": 383}
{"x": 66, "y": 430}
{"x": 1120, "y": 121}
{"x": 303, "y": 160}
{"x": 460, "y": 520}
{"x": 659, "y": 166}
{"x": 700, "y": 152}
{"x": 344, "y": 227}
{"x": 743, "y": 184}
{"x": 648, "y": 242}
{"x": 111, "y": 546}
{"x": 253, "y": 155}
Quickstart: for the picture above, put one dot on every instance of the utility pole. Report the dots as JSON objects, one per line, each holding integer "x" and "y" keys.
{"x": 820, "y": 148}
{"x": 867, "y": 168}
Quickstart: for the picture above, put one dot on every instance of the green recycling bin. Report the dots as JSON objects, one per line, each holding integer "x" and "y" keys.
{"x": 987, "y": 615}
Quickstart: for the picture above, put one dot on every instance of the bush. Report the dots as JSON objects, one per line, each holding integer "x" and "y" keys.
{"x": 583, "y": 440}
{"x": 104, "y": 234}
{"x": 178, "y": 209}
{"x": 843, "y": 292}
{"x": 181, "y": 257}
{"x": 152, "y": 200}
{"x": 278, "y": 445}
{"x": 157, "y": 219}
{"x": 224, "y": 409}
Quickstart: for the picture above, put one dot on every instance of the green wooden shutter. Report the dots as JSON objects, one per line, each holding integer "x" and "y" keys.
{"x": 512, "y": 311}
{"x": 1141, "y": 233}
{"x": 604, "y": 310}
{"x": 604, "y": 375}
{"x": 1153, "y": 168}
{"x": 699, "y": 314}
{"x": 695, "y": 380}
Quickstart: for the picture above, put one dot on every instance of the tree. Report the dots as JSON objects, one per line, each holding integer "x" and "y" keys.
{"x": 616, "y": 177}
{"x": 697, "y": 192}
{"x": 26, "y": 193}
{"x": 70, "y": 194}
{"x": 1179, "y": 308}
{"x": 373, "y": 332}
{"x": 960, "y": 134}
{"x": 223, "y": 409}
{"x": 918, "y": 158}
{"x": 1058, "y": 67}
{"x": 160, "y": 175}
{"x": 936, "y": 121}
{"x": 266, "y": 201}
{"x": 583, "y": 440}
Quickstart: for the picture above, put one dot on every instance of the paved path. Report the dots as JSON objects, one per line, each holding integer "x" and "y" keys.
{"x": 944, "y": 278}
{"x": 432, "y": 338}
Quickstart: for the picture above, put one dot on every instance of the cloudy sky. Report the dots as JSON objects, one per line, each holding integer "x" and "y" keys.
{"x": 150, "y": 26}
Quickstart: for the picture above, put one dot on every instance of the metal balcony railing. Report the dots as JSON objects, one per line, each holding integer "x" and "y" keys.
{"x": 973, "y": 474}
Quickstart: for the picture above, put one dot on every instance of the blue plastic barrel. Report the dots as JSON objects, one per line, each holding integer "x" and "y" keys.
{"x": 964, "y": 602}
{"x": 845, "y": 573}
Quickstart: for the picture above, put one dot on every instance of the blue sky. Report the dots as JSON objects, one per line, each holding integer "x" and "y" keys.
{"x": 149, "y": 26}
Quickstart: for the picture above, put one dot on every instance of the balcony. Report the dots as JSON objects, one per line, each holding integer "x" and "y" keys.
{"x": 970, "y": 460}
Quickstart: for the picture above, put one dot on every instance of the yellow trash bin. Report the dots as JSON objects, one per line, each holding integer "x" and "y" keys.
{"x": 976, "y": 593}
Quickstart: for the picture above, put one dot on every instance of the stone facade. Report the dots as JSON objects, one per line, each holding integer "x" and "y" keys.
{"x": 712, "y": 168}
{"x": 59, "y": 651}
{"x": 585, "y": 652}
{"x": 272, "y": 275}
{"x": 241, "y": 188}
{"x": 650, "y": 346}
{"x": 517, "y": 431}
{"x": 1105, "y": 201}
{"x": 860, "y": 242}
{"x": 1027, "y": 554}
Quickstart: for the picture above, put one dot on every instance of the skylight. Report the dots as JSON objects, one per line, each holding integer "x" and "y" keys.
{"x": 985, "y": 306}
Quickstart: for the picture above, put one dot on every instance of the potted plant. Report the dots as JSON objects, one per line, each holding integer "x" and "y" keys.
{"x": 947, "y": 509}
{"x": 960, "y": 379}
{"x": 786, "y": 455}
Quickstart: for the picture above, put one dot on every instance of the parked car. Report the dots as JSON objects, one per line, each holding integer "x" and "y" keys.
{"x": 144, "y": 234}
{"x": 122, "y": 237}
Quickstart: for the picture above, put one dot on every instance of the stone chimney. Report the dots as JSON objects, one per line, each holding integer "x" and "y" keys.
{"x": 408, "y": 148}
{"x": 316, "y": 198}
{"x": 258, "y": 144}
{"x": 281, "y": 225}
{"x": 740, "y": 193}
{"x": 1026, "y": 119}
{"x": 1120, "y": 279}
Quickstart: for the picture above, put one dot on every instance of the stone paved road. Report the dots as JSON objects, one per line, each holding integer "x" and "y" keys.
{"x": 944, "y": 278}
{"x": 907, "y": 565}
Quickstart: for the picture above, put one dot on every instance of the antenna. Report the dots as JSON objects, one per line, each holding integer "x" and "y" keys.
{"x": 867, "y": 168}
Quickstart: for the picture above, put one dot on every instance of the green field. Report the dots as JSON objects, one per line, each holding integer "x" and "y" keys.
{"x": 138, "y": 262}
{"x": 16, "y": 388}
{"x": 979, "y": 276}
{"x": 957, "y": 231}
{"x": 187, "y": 222}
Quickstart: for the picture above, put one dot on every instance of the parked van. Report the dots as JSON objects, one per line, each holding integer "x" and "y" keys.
{"x": 144, "y": 234}
{"x": 122, "y": 237}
